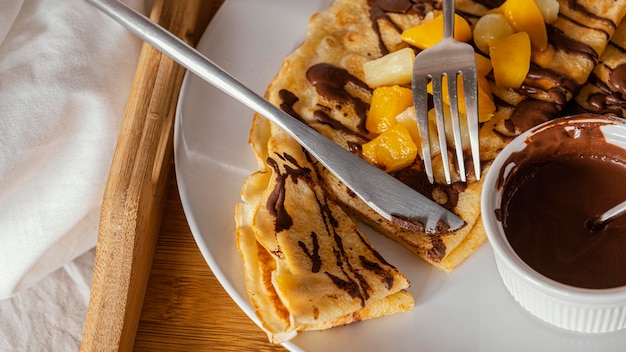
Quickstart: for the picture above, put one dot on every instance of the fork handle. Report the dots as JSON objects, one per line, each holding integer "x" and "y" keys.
{"x": 448, "y": 19}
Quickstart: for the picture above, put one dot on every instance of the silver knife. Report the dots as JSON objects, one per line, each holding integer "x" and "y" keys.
{"x": 389, "y": 197}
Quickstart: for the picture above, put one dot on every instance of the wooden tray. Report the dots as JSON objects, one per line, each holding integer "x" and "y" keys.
{"x": 136, "y": 191}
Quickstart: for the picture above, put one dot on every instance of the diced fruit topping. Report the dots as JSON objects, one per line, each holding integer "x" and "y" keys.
{"x": 486, "y": 106}
{"x": 407, "y": 118}
{"x": 430, "y": 33}
{"x": 483, "y": 65}
{"x": 392, "y": 150}
{"x": 510, "y": 67}
{"x": 507, "y": 34}
{"x": 489, "y": 27}
{"x": 447, "y": 119}
{"x": 387, "y": 102}
{"x": 393, "y": 68}
{"x": 549, "y": 9}
{"x": 525, "y": 16}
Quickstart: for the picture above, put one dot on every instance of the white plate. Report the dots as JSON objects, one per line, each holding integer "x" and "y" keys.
{"x": 466, "y": 310}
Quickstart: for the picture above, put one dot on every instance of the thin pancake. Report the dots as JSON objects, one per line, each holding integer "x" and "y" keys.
{"x": 605, "y": 91}
{"x": 308, "y": 266}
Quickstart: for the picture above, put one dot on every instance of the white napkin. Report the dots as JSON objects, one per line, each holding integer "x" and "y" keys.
{"x": 65, "y": 76}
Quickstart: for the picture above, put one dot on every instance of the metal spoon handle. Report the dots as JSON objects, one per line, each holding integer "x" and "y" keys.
{"x": 612, "y": 213}
{"x": 389, "y": 197}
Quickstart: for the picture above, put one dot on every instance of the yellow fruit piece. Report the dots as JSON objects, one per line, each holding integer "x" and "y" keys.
{"x": 510, "y": 67}
{"x": 549, "y": 9}
{"x": 489, "y": 27}
{"x": 525, "y": 16}
{"x": 486, "y": 106}
{"x": 430, "y": 33}
{"x": 393, "y": 68}
{"x": 447, "y": 120}
{"x": 387, "y": 102}
{"x": 392, "y": 150}
{"x": 483, "y": 65}
{"x": 409, "y": 120}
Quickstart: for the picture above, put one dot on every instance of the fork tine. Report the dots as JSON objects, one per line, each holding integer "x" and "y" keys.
{"x": 420, "y": 103}
{"x": 456, "y": 124}
{"x": 470, "y": 88}
{"x": 441, "y": 127}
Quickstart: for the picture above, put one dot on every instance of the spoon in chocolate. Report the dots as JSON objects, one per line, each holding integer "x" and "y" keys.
{"x": 599, "y": 222}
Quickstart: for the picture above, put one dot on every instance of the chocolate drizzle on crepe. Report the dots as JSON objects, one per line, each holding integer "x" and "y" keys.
{"x": 379, "y": 10}
{"x": 287, "y": 169}
{"x": 330, "y": 82}
{"x": 611, "y": 96}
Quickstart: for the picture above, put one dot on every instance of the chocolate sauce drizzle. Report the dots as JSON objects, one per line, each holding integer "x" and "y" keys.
{"x": 379, "y": 10}
{"x": 575, "y": 5}
{"x": 314, "y": 253}
{"x": 286, "y": 169}
{"x": 330, "y": 82}
{"x": 561, "y": 41}
{"x": 276, "y": 202}
{"x": 611, "y": 96}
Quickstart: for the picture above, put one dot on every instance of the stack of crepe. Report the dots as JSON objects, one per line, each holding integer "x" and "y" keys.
{"x": 307, "y": 264}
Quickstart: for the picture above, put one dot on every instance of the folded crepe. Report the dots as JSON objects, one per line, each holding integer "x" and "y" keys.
{"x": 307, "y": 264}
{"x": 604, "y": 93}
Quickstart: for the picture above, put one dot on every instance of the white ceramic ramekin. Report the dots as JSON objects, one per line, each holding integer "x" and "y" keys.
{"x": 568, "y": 307}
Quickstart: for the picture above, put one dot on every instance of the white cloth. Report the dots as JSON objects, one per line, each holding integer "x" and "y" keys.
{"x": 65, "y": 75}
{"x": 50, "y": 315}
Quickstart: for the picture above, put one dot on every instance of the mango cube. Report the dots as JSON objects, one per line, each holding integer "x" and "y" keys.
{"x": 486, "y": 105}
{"x": 510, "y": 67}
{"x": 525, "y": 16}
{"x": 392, "y": 150}
{"x": 429, "y": 33}
{"x": 387, "y": 102}
{"x": 483, "y": 65}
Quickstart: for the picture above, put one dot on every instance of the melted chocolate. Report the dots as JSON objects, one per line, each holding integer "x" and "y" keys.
{"x": 288, "y": 101}
{"x": 385, "y": 276}
{"x": 570, "y": 45}
{"x": 313, "y": 254}
{"x": 563, "y": 87}
{"x": 531, "y": 112}
{"x": 611, "y": 98}
{"x": 379, "y": 10}
{"x": 564, "y": 178}
{"x": 617, "y": 81}
{"x": 415, "y": 177}
{"x": 276, "y": 202}
{"x": 573, "y": 4}
{"x": 330, "y": 82}
{"x": 352, "y": 280}
{"x": 438, "y": 251}
{"x": 322, "y": 117}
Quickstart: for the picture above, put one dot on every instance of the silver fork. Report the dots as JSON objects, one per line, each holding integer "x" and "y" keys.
{"x": 447, "y": 58}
